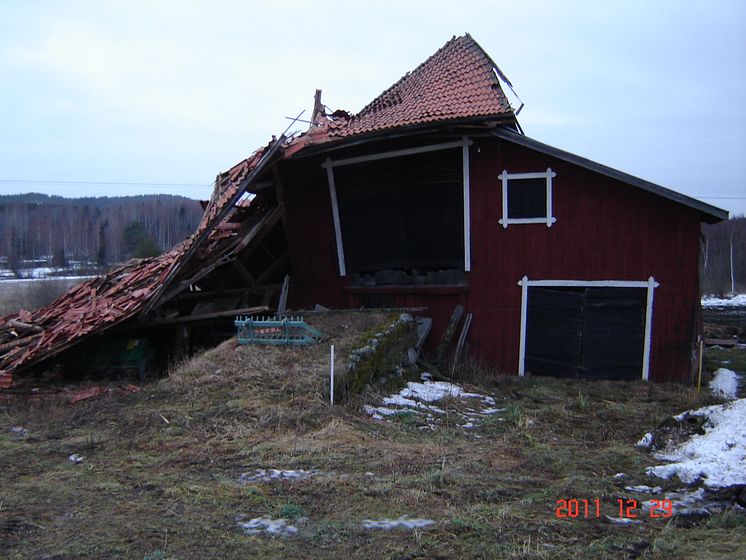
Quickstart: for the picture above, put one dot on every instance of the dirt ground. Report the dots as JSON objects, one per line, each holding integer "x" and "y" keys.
{"x": 157, "y": 474}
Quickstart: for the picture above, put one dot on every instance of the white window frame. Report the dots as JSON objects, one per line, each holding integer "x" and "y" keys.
{"x": 548, "y": 219}
{"x": 329, "y": 164}
{"x": 650, "y": 284}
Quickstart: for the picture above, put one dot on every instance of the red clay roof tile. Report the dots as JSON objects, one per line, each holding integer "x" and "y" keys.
{"x": 456, "y": 82}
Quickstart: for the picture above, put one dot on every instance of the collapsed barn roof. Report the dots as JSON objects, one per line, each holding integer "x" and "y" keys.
{"x": 459, "y": 85}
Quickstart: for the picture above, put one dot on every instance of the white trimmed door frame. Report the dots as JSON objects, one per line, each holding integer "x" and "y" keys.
{"x": 650, "y": 284}
{"x": 329, "y": 164}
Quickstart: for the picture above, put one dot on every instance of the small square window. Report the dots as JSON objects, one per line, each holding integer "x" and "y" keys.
{"x": 527, "y": 198}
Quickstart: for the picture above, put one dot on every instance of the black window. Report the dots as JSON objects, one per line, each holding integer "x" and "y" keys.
{"x": 527, "y": 198}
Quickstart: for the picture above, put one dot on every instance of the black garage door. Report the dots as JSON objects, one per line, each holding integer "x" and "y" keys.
{"x": 595, "y": 333}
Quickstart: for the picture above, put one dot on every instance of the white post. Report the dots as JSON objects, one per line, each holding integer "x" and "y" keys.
{"x": 331, "y": 377}
{"x": 648, "y": 330}
{"x": 335, "y": 217}
{"x": 467, "y": 208}
{"x": 522, "y": 342}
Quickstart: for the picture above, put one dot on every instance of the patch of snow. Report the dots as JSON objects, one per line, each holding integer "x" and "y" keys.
{"x": 19, "y": 432}
{"x": 432, "y": 391}
{"x": 724, "y": 384}
{"x": 735, "y": 301}
{"x": 697, "y": 502}
{"x": 717, "y": 457}
{"x": 620, "y": 476}
{"x": 381, "y": 411}
{"x": 404, "y": 522}
{"x": 623, "y": 520}
{"x": 492, "y": 410}
{"x": 645, "y": 441}
{"x": 277, "y": 527}
{"x": 75, "y": 459}
{"x": 644, "y": 488}
{"x": 419, "y": 398}
{"x": 265, "y": 475}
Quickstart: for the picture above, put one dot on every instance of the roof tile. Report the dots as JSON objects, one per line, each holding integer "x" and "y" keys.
{"x": 456, "y": 82}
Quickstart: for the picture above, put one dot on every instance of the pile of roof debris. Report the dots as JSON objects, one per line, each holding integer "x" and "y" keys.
{"x": 193, "y": 282}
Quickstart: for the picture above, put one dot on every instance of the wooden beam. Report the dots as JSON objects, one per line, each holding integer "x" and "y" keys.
{"x": 246, "y": 277}
{"x": 202, "y": 317}
{"x": 206, "y": 294}
{"x": 24, "y": 327}
{"x": 274, "y": 267}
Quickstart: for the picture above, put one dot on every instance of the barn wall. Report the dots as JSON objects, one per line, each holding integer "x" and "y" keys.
{"x": 605, "y": 230}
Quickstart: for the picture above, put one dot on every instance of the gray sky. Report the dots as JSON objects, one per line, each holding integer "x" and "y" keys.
{"x": 172, "y": 92}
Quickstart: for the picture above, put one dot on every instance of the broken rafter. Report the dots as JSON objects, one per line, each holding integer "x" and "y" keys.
{"x": 283, "y": 260}
{"x": 24, "y": 327}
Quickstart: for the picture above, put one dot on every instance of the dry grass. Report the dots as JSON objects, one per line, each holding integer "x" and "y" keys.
{"x": 161, "y": 472}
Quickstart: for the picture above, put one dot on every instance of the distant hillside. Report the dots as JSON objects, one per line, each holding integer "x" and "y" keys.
{"x": 92, "y": 230}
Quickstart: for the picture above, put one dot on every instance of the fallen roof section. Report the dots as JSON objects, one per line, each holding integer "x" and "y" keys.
{"x": 140, "y": 285}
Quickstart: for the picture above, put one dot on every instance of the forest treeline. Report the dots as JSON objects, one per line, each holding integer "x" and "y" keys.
{"x": 724, "y": 257}
{"x": 92, "y": 231}
{"x": 100, "y": 231}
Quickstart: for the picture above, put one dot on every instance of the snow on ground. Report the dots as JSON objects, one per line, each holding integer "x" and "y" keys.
{"x": 623, "y": 520}
{"x": 645, "y": 441}
{"x": 418, "y": 398}
{"x": 724, "y": 384}
{"x": 644, "y": 488}
{"x": 265, "y": 475}
{"x": 736, "y": 301}
{"x": 19, "y": 432}
{"x": 404, "y": 522}
{"x": 276, "y": 527}
{"x": 717, "y": 457}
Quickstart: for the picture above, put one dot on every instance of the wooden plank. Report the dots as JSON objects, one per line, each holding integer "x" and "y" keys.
{"x": 246, "y": 277}
{"x": 445, "y": 340}
{"x": 461, "y": 341}
{"x": 284, "y": 295}
{"x": 724, "y": 342}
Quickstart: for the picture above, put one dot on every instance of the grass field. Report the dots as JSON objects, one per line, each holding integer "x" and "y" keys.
{"x": 161, "y": 471}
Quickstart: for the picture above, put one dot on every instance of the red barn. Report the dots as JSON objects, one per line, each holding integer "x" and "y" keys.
{"x": 432, "y": 196}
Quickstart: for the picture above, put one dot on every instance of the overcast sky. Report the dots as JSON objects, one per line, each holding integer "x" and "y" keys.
{"x": 173, "y": 92}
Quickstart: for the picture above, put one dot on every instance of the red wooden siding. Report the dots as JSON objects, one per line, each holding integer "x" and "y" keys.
{"x": 605, "y": 230}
